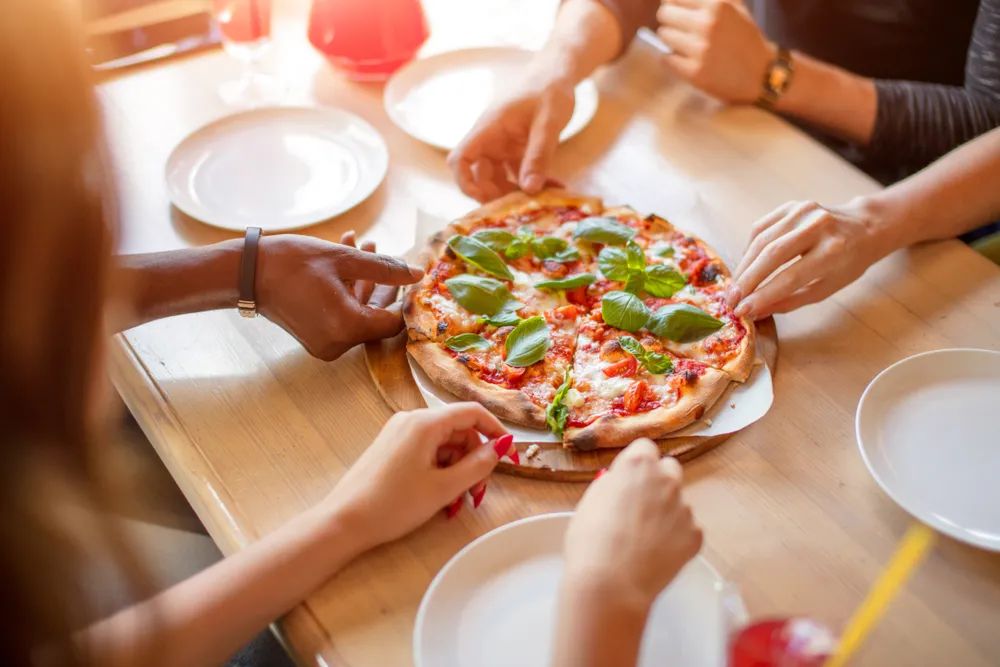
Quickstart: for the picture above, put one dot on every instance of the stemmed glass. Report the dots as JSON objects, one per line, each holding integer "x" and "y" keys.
{"x": 245, "y": 26}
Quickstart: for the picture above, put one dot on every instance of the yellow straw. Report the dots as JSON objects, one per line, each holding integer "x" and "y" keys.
{"x": 912, "y": 549}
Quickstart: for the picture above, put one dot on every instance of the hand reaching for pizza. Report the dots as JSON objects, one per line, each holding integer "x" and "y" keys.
{"x": 512, "y": 144}
{"x": 832, "y": 248}
{"x": 330, "y": 296}
{"x": 630, "y": 536}
{"x": 717, "y": 47}
{"x": 420, "y": 463}
{"x": 632, "y": 531}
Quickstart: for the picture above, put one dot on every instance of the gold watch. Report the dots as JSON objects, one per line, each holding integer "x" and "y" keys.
{"x": 777, "y": 78}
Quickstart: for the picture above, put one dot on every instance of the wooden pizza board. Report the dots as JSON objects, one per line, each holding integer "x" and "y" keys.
{"x": 389, "y": 369}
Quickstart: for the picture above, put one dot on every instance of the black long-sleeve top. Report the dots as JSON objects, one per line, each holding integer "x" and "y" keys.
{"x": 936, "y": 65}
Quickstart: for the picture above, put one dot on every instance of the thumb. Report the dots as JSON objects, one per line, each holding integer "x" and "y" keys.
{"x": 542, "y": 141}
{"x": 471, "y": 468}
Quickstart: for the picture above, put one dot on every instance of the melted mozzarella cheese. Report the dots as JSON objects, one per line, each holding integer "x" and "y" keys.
{"x": 525, "y": 292}
{"x": 574, "y": 399}
{"x": 443, "y": 304}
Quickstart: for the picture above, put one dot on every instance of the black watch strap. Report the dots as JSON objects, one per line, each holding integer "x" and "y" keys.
{"x": 247, "y": 303}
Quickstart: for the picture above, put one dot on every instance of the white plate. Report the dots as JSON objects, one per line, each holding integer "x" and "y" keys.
{"x": 279, "y": 168}
{"x": 438, "y": 99}
{"x": 929, "y": 432}
{"x": 493, "y": 605}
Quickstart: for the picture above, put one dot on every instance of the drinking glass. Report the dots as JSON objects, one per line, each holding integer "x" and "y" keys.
{"x": 782, "y": 642}
{"x": 245, "y": 26}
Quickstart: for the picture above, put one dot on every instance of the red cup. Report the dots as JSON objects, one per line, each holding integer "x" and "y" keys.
{"x": 367, "y": 39}
{"x": 782, "y": 642}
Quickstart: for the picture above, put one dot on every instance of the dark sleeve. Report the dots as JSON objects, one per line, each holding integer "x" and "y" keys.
{"x": 631, "y": 15}
{"x": 916, "y": 123}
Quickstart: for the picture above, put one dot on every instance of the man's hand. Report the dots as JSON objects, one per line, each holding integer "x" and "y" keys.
{"x": 717, "y": 47}
{"x": 330, "y": 296}
{"x": 512, "y": 144}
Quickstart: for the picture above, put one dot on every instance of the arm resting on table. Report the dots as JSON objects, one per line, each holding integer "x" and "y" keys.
{"x": 205, "y": 619}
{"x": 169, "y": 283}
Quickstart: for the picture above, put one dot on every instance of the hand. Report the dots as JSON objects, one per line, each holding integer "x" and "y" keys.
{"x": 512, "y": 144}
{"x": 330, "y": 296}
{"x": 717, "y": 47}
{"x": 632, "y": 531}
{"x": 833, "y": 248}
{"x": 421, "y": 462}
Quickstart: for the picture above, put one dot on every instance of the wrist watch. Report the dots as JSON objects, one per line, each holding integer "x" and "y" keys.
{"x": 247, "y": 302}
{"x": 777, "y": 78}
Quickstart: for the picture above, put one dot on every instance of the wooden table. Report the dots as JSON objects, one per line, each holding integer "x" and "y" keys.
{"x": 254, "y": 430}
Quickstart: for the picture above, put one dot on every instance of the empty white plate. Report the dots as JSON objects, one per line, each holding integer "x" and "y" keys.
{"x": 438, "y": 99}
{"x": 493, "y": 605}
{"x": 929, "y": 432}
{"x": 278, "y": 168}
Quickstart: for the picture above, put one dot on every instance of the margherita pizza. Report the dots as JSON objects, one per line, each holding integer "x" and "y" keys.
{"x": 600, "y": 324}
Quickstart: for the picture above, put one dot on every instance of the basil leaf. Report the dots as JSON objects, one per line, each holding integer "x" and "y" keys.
{"x": 482, "y": 296}
{"x": 528, "y": 342}
{"x": 480, "y": 255}
{"x": 663, "y": 281}
{"x": 682, "y": 323}
{"x": 613, "y": 263}
{"x": 467, "y": 341}
{"x": 518, "y": 249}
{"x": 570, "y": 254}
{"x": 558, "y": 411}
{"x": 654, "y": 362}
{"x": 603, "y": 230}
{"x": 635, "y": 257}
{"x": 505, "y": 319}
{"x": 666, "y": 252}
{"x": 623, "y": 310}
{"x": 636, "y": 282}
{"x": 497, "y": 239}
{"x": 658, "y": 364}
{"x": 632, "y": 346}
{"x": 547, "y": 246}
{"x": 569, "y": 282}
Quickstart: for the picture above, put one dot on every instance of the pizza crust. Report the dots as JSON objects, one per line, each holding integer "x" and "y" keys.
{"x": 738, "y": 368}
{"x": 444, "y": 370}
{"x": 616, "y": 431}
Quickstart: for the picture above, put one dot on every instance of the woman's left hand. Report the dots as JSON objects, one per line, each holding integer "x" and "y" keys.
{"x": 420, "y": 463}
{"x": 716, "y": 47}
{"x": 833, "y": 247}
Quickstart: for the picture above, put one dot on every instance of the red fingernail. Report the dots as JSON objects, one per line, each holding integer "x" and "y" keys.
{"x": 600, "y": 473}
{"x": 454, "y": 508}
{"x": 502, "y": 444}
{"x": 477, "y": 496}
{"x": 514, "y": 457}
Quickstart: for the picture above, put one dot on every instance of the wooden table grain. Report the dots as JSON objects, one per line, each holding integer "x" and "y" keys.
{"x": 254, "y": 430}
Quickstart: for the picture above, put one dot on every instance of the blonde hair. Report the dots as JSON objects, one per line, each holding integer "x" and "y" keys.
{"x": 55, "y": 264}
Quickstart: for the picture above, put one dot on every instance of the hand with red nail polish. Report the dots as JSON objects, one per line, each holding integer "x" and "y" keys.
{"x": 421, "y": 463}
{"x": 631, "y": 534}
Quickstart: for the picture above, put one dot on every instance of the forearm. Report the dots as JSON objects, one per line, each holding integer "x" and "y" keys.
{"x": 830, "y": 98}
{"x": 585, "y": 36}
{"x": 597, "y": 627}
{"x": 959, "y": 192}
{"x": 181, "y": 281}
{"x": 205, "y": 619}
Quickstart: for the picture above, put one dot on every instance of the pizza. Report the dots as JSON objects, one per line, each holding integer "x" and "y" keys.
{"x": 600, "y": 324}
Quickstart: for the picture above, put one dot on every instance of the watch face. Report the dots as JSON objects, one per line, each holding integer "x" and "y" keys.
{"x": 778, "y": 78}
